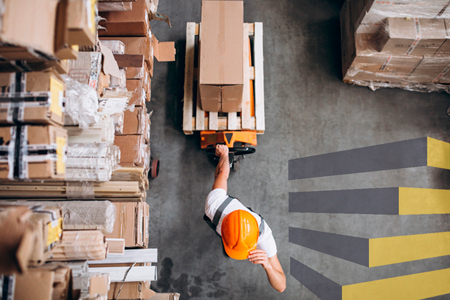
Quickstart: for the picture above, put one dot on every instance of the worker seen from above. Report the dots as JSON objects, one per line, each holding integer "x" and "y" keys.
{"x": 245, "y": 234}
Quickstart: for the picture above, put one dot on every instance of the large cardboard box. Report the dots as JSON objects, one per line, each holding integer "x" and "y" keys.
{"x": 43, "y": 104}
{"x": 130, "y": 222}
{"x": 41, "y": 155}
{"x": 135, "y": 122}
{"x": 81, "y": 22}
{"x": 126, "y": 23}
{"x": 222, "y": 66}
{"x": 381, "y": 68}
{"x": 132, "y": 150}
{"x": 415, "y": 36}
{"x": 431, "y": 70}
{"x": 26, "y": 24}
{"x": 86, "y": 68}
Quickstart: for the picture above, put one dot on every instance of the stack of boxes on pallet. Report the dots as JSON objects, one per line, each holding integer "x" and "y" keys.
{"x": 74, "y": 149}
{"x": 402, "y": 44}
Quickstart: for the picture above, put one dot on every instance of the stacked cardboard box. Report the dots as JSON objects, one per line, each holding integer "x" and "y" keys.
{"x": 221, "y": 78}
{"x": 37, "y": 32}
{"x": 396, "y": 44}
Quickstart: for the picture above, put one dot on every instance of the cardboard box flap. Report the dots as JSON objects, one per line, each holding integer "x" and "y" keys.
{"x": 110, "y": 66}
{"x": 163, "y": 51}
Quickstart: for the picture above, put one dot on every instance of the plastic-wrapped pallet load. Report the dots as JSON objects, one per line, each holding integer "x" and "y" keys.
{"x": 396, "y": 44}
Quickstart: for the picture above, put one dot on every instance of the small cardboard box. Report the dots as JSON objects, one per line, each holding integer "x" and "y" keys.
{"x": 222, "y": 66}
{"x": 431, "y": 70}
{"x": 42, "y": 152}
{"x": 126, "y": 23}
{"x": 26, "y": 24}
{"x": 414, "y": 36}
{"x": 138, "y": 87}
{"x": 381, "y": 68}
{"x": 132, "y": 149}
{"x": 130, "y": 222}
{"x": 86, "y": 68}
{"x": 81, "y": 22}
{"x": 43, "y": 104}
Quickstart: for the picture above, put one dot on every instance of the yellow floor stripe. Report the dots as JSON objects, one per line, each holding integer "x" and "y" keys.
{"x": 413, "y": 201}
{"x": 438, "y": 154}
{"x": 393, "y": 250}
{"x": 416, "y": 286}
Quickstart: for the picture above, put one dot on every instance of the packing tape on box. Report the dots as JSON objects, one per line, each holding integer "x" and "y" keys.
{"x": 80, "y": 190}
{"x": 15, "y": 104}
{"x": 54, "y": 227}
{"x": 7, "y": 286}
{"x": 418, "y": 37}
{"x": 445, "y": 71}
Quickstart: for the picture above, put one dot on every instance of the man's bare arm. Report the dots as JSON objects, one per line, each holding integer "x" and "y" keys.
{"x": 272, "y": 266}
{"x": 223, "y": 168}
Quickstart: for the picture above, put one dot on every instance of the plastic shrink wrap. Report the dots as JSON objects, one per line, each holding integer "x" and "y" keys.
{"x": 404, "y": 44}
{"x": 79, "y": 215}
{"x": 91, "y": 161}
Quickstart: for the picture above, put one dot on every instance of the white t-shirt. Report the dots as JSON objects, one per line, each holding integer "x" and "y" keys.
{"x": 216, "y": 197}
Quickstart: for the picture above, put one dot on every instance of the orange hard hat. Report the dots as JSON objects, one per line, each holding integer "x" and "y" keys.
{"x": 240, "y": 234}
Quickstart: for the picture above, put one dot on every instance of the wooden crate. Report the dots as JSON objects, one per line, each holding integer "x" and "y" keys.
{"x": 194, "y": 118}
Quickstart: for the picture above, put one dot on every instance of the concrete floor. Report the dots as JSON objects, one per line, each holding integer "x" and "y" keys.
{"x": 309, "y": 111}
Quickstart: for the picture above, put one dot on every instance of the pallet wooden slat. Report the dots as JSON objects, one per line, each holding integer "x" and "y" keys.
{"x": 246, "y": 121}
{"x": 259, "y": 77}
{"x": 188, "y": 101}
{"x": 213, "y": 121}
{"x": 232, "y": 121}
{"x": 199, "y": 114}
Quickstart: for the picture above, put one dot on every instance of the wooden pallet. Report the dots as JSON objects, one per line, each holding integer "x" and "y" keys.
{"x": 194, "y": 118}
